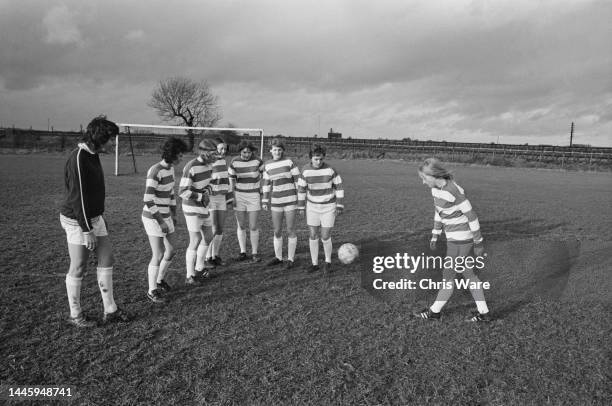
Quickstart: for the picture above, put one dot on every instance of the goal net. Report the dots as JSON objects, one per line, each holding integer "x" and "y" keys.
{"x": 137, "y": 139}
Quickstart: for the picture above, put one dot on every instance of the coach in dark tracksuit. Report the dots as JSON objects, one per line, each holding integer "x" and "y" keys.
{"x": 81, "y": 217}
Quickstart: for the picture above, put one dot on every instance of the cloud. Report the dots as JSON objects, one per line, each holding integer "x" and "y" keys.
{"x": 457, "y": 67}
{"x": 61, "y": 27}
{"x": 135, "y": 35}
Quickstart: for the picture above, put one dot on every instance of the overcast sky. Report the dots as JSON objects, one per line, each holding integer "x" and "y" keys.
{"x": 514, "y": 71}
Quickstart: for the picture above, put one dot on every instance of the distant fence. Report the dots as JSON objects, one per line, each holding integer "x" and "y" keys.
{"x": 344, "y": 147}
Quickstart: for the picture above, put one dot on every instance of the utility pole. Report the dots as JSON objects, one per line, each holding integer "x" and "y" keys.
{"x": 571, "y": 134}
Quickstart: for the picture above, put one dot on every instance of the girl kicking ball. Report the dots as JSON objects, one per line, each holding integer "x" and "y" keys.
{"x": 320, "y": 192}
{"x": 454, "y": 215}
{"x": 159, "y": 216}
{"x": 280, "y": 177}
{"x": 245, "y": 178}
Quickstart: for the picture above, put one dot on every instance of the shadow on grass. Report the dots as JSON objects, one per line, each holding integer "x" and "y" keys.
{"x": 520, "y": 267}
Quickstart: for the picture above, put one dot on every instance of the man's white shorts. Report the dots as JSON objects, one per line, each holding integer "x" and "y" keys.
{"x": 323, "y": 215}
{"x": 195, "y": 222}
{"x": 247, "y": 201}
{"x": 217, "y": 202}
{"x": 75, "y": 235}
{"x": 154, "y": 230}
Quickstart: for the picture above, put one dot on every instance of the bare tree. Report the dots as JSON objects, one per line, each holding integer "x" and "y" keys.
{"x": 186, "y": 102}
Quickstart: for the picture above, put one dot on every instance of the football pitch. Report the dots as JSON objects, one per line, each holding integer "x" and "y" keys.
{"x": 254, "y": 335}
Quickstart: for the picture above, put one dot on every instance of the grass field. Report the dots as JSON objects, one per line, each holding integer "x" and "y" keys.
{"x": 265, "y": 336}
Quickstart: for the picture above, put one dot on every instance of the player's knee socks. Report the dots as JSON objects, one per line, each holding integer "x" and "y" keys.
{"x": 441, "y": 299}
{"x": 327, "y": 248}
{"x": 217, "y": 244}
{"x": 291, "y": 246}
{"x": 73, "y": 289}
{"x": 105, "y": 282}
{"x": 254, "y": 241}
{"x": 201, "y": 255}
{"x": 209, "y": 250}
{"x": 190, "y": 261}
{"x": 481, "y": 304}
{"x": 437, "y": 306}
{"x": 241, "y": 234}
{"x": 278, "y": 247}
{"x": 152, "y": 272}
{"x": 163, "y": 269}
{"x": 314, "y": 250}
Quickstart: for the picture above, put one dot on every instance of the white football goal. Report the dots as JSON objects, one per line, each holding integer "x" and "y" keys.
{"x": 134, "y": 136}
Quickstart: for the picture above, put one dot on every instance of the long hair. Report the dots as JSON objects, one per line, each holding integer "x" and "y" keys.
{"x": 433, "y": 167}
{"x": 99, "y": 131}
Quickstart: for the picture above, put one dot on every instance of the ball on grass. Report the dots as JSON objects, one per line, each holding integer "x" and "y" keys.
{"x": 348, "y": 253}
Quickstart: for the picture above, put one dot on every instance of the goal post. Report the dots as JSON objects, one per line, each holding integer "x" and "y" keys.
{"x": 154, "y": 134}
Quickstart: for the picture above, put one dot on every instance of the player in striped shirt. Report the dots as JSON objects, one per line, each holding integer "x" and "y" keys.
{"x": 321, "y": 194}
{"x": 245, "y": 180}
{"x": 159, "y": 216}
{"x": 81, "y": 218}
{"x": 453, "y": 214}
{"x": 279, "y": 185}
{"x": 220, "y": 199}
{"x": 195, "y": 191}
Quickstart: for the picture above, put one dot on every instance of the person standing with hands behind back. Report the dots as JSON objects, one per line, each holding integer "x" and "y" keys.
{"x": 81, "y": 217}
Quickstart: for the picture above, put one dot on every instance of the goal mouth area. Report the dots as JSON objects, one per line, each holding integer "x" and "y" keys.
{"x": 157, "y": 133}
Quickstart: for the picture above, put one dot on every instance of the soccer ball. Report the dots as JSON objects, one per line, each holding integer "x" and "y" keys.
{"x": 347, "y": 253}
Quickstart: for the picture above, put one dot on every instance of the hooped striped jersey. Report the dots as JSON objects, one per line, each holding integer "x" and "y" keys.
{"x": 159, "y": 191}
{"x": 279, "y": 183}
{"x": 321, "y": 185}
{"x": 454, "y": 214}
{"x": 246, "y": 175}
{"x": 195, "y": 183}
{"x": 219, "y": 177}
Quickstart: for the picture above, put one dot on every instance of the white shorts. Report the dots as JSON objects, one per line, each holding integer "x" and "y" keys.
{"x": 323, "y": 215}
{"x": 74, "y": 233}
{"x": 154, "y": 230}
{"x": 196, "y": 222}
{"x": 217, "y": 202}
{"x": 247, "y": 201}
{"x": 284, "y": 209}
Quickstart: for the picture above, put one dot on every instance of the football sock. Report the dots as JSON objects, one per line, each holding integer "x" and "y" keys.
{"x": 209, "y": 251}
{"x": 327, "y": 247}
{"x": 190, "y": 261}
{"x": 241, "y": 238}
{"x": 201, "y": 256}
{"x": 73, "y": 288}
{"x": 163, "y": 269}
{"x": 105, "y": 282}
{"x": 482, "y": 307}
{"x": 278, "y": 247}
{"x": 152, "y": 273}
{"x": 255, "y": 241}
{"x": 314, "y": 250}
{"x": 291, "y": 246}
{"x": 217, "y": 244}
{"x": 437, "y": 306}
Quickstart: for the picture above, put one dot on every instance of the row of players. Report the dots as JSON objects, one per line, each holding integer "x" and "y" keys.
{"x": 208, "y": 185}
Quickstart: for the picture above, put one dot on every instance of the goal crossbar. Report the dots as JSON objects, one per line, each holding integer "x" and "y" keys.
{"x": 176, "y": 127}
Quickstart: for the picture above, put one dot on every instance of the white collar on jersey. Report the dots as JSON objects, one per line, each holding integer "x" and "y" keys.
{"x": 84, "y": 146}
